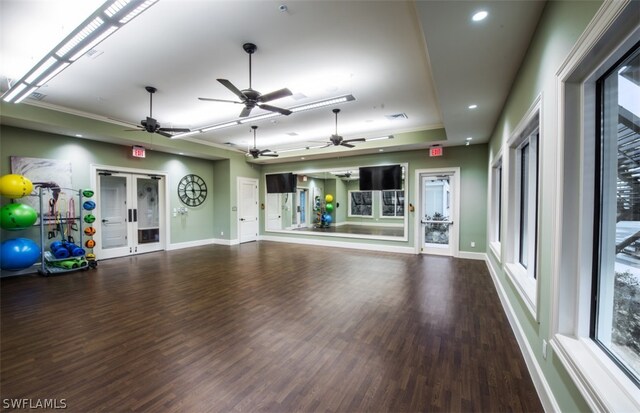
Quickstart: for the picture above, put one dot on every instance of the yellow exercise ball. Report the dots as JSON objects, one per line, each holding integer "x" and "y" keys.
{"x": 328, "y": 198}
{"x": 15, "y": 186}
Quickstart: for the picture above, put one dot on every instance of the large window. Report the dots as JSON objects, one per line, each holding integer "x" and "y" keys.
{"x": 616, "y": 298}
{"x": 522, "y": 222}
{"x": 360, "y": 204}
{"x": 392, "y": 203}
{"x": 496, "y": 207}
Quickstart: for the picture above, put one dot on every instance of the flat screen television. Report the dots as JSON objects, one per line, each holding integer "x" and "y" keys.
{"x": 380, "y": 178}
{"x": 281, "y": 183}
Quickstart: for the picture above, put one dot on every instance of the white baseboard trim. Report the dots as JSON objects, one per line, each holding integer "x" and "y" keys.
{"x": 472, "y": 255}
{"x": 191, "y": 244}
{"x": 339, "y": 244}
{"x": 549, "y": 403}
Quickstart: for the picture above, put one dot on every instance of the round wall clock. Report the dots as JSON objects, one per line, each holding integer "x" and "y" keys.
{"x": 192, "y": 190}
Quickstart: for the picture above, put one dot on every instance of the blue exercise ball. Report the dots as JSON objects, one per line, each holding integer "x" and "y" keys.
{"x": 19, "y": 253}
{"x": 327, "y": 218}
{"x": 89, "y": 205}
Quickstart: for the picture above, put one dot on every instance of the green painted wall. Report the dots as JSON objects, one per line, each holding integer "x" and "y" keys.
{"x": 194, "y": 226}
{"x": 561, "y": 24}
{"x": 472, "y": 161}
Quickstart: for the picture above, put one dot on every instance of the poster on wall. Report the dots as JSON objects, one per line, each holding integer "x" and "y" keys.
{"x": 51, "y": 174}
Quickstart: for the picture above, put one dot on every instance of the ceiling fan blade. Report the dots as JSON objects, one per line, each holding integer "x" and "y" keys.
{"x": 219, "y": 100}
{"x": 134, "y": 130}
{"x": 275, "y": 95}
{"x": 285, "y": 112}
{"x": 348, "y": 145}
{"x": 177, "y": 130}
{"x": 245, "y": 112}
{"x": 273, "y": 155}
{"x": 355, "y": 140}
{"x": 232, "y": 88}
{"x": 165, "y": 134}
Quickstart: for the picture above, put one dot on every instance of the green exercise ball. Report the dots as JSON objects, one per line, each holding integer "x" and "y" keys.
{"x": 329, "y": 207}
{"x": 14, "y": 217}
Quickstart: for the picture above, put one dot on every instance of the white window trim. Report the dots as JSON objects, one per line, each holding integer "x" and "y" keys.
{"x": 603, "y": 385}
{"x": 521, "y": 277}
{"x": 382, "y": 203}
{"x": 496, "y": 198}
{"x": 349, "y": 214}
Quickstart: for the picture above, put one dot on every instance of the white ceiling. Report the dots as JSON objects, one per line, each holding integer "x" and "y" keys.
{"x": 427, "y": 60}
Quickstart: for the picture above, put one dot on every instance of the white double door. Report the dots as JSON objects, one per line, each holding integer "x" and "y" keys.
{"x": 130, "y": 214}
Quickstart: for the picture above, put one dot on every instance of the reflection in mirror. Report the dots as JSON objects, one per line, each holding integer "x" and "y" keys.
{"x": 330, "y": 202}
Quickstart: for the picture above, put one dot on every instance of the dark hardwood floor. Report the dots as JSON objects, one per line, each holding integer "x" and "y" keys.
{"x": 264, "y": 327}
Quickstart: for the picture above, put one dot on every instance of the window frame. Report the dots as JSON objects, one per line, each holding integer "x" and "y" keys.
{"x": 497, "y": 205}
{"x": 395, "y": 204}
{"x": 350, "y": 205}
{"x": 611, "y": 32}
{"x": 525, "y": 279}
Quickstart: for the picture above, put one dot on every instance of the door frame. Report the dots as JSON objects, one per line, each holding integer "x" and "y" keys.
{"x": 455, "y": 237}
{"x": 165, "y": 230}
{"x": 239, "y": 180}
{"x": 306, "y": 206}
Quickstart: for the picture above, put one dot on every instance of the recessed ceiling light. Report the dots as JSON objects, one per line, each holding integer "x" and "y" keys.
{"x": 468, "y": 143}
{"x": 473, "y": 106}
{"x": 302, "y": 157}
{"x": 469, "y": 138}
{"x": 78, "y": 135}
{"x": 380, "y": 150}
{"x": 481, "y": 15}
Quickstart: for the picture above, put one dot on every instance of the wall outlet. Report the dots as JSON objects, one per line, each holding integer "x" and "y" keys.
{"x": 221, "y": 232}
{"x": 473, "y": 244}
{"x": 544, "y": 349}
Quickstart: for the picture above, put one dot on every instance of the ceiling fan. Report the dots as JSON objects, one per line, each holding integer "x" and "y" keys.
{"x": 337, "y": 140}
{"x": 251, "y": 98}
{"x": 151, "y": 125}
{"x": 255, "y": 152}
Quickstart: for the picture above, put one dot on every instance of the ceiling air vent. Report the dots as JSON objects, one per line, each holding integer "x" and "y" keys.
{"x": 397, "y": 116}
{"x": 37, "y": 96}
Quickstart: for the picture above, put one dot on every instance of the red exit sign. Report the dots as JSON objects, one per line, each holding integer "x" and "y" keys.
{"x": 138, "y": 152}
{"x": 435, "y": 151}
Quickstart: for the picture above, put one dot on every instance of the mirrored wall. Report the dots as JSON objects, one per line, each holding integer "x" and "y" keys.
{"x": 330, "y": 203}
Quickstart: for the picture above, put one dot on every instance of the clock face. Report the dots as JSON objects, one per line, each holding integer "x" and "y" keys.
{"x": 192, "y": 190}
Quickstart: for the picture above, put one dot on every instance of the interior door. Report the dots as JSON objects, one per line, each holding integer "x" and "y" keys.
{"x": 129, "y": 209}
{"x": 274, "y": 212}
{"x": 439, "y": 230}
{"x": 302, "y": 207}
{"x": 247, "y": 210}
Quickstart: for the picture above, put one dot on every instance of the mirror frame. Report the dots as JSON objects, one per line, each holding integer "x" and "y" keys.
{"x": 403, "y": 238}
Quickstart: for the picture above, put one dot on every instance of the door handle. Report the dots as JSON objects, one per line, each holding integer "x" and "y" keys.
{"x": 241, "y": 219}
{"x": 130, "y": 212}
{"x": 105, "y": 220}
{"x": 135, "y": 215}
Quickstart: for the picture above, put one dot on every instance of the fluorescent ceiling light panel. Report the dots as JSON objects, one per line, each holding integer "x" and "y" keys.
{"x": 222, "y": 125}
{"x": 260, "y": 117}
{"x": 322, "y": 103}
{"x": 53, "y": 74}
{"x": 75, "y": 40}
{"x": 41, "y": 69}
{"x": 184, "y": 135}
{"x": 137, "y": 11}
{"x": 379, "y": 139}
{"x": 24, "y": 95}
{"x": 94, "y": 43}
{"x": 14, "y": 92}
{"x": 115, "y": 7}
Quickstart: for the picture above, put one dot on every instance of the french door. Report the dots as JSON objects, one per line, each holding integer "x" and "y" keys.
{"x": 130, "y": 210}
{"x": 439, "y": 211}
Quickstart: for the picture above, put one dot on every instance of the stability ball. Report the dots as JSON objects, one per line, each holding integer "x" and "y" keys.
{"x": 328, "y": 198}
{"x": 327, "y": 219}
{"x": 329, "y": 207}
{"x": 17, "y": 216}
{"x": 19, "y": 253}
{"x": 15, "y": 186}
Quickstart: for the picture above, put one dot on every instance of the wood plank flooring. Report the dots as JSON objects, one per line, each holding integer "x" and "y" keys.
{"x": 264, "y": 327}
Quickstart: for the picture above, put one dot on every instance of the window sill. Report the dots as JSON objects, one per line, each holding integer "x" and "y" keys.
{"x": 603, "y": 385}
{"x": 525, "y": 285}
{"x": 496, "y": 249}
